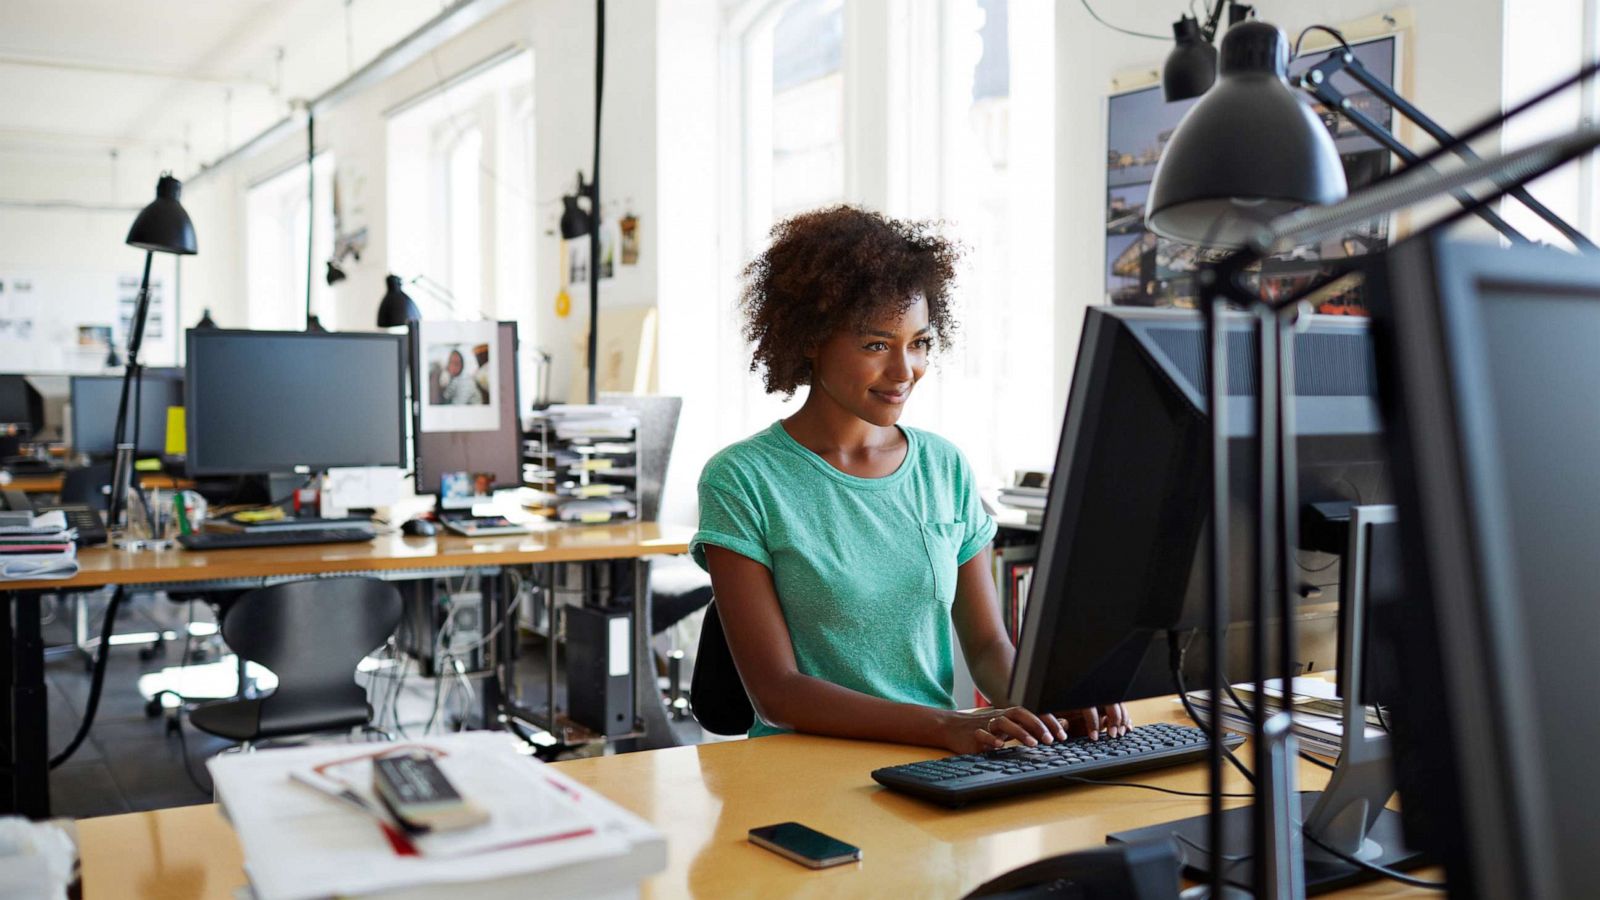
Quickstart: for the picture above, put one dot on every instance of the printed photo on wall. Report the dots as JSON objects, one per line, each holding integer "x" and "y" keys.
{"x": 578, "y": 255}
{"x": 460, "y": 376}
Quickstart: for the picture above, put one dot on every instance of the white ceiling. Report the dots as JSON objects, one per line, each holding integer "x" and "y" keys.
{"x": 177, "y": 81}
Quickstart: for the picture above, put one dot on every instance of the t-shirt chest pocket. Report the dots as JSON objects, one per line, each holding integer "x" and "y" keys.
{"x": 942, "y": 541}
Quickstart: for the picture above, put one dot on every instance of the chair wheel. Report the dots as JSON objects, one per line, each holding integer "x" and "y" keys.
{"x": 147, "y": 653}
{"x": 152, "y": 707}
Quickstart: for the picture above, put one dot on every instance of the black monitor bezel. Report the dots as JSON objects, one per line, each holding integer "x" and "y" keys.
{"x": 168, "y": 374}
{"x": 191, "y": 420}
{"x": 1471, "y": 726}
{"x": 1161, "y": 608}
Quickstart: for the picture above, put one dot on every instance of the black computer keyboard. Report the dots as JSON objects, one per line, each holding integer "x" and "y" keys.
{"x": 221, "y": 540}
{"x": 959, "y": 780}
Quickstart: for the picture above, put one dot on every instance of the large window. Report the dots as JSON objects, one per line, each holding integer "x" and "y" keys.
{"x": 940, "y": 109}
{"x": 460, "y": 197}
{"x": 277, "y": 216}
{"x": 789, "y": 133}
{"x": 986, "y": 67}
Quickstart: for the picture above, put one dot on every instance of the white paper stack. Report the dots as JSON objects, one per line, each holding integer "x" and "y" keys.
{"x": 1318, "y": 712}
{"x": 547, "y": 835}
{"x": 591, "y": 422}
{"x": 37, "y": 546}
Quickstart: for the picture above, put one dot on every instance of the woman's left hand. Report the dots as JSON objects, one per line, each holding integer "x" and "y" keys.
{"x": 1097, "y": 721}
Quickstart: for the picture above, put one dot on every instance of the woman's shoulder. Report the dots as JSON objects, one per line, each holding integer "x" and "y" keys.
{"x": 740, "y": 460}
{"x": 935, "y": 448}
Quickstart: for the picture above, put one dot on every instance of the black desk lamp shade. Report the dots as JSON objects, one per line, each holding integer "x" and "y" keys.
{"x": 397, "y": 308}
{"x": 1191, "y": 67}
{"x": 1250, "y": 150}
{"x": 163, "y": 226}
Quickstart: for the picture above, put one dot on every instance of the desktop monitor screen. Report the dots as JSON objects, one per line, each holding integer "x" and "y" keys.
{"x": 21, "y": 404}
{"x": 273, "y": 401}
{"x": 1490, "y": 361}
{"x": 496, "y": 452}
{"x": 1122, "y": 565}
{"x": 94, "y": 410}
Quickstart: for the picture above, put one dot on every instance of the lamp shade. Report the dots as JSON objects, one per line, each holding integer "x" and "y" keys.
{"x": 397, "y": 309}
{"x": 1191, "y": 67}
{"x": 163, "y": 226}
{"x": 574, "y": 219}
{"x": 1249, "y": 151}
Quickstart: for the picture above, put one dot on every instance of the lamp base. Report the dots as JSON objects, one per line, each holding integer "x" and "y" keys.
{"x": 1324, "y": 872}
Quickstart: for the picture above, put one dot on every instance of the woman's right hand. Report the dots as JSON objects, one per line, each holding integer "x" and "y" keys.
{"x": 977, "y": 730}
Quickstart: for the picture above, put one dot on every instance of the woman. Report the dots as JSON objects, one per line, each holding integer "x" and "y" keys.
{"x": 848, "y": 553}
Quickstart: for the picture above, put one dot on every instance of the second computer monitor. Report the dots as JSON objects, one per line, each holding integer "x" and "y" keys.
{"x": 20, "y": 404}
{"x": 496, "y": 453}
{"x": 95, "y": 399}
{"x": 275, "y": 401}
{"x": 1122, "y": 569}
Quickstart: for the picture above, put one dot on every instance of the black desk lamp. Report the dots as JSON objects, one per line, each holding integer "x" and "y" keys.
{"x": 1236, "y": 154}
{"x": 161, "y": 227}
{"x": 397, "y": 309}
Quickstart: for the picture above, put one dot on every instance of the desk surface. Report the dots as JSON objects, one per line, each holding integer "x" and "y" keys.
{"x": 705, "y": 798}
{"x": 51, "y": 484}
{"x": 386, "y": 552}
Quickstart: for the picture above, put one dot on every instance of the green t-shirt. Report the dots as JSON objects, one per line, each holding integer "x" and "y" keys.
{"x": 865, "y": 568}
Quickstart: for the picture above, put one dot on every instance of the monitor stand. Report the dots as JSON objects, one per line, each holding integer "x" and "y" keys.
{"x": 1349, "y": 815}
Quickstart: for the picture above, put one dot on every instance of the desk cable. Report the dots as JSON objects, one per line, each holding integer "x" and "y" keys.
{"x": 102, "y": 653}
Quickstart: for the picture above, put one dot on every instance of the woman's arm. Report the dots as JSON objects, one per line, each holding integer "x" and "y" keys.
{"x": 990, "y": 653}
{"x": 759, "y": 641}
{"x": 984, "y": 642}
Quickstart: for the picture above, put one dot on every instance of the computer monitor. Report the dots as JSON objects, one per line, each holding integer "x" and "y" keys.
{"x": 496, "y": 452}
{"x": 278, "y": 401}
{"x": 94, "y": 411}
{"x": 21, "y": 405}
{"x": 1123, "y": 560}
{"x": 1489, "y": 362}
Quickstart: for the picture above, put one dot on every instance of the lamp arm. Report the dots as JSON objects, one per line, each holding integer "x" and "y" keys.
{"x": 1335, "y": 99}
{"x": 1318, "y": 81}
{"x": 437, "y": 291}
{"x": 122, "y": 472}
{"x": 1417, "y": 184}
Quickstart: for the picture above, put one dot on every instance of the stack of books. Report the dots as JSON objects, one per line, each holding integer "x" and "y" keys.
{"x": 1318, "y": 712}
{"x": 37, "y": 545}
{"x": 1028, "y": 493}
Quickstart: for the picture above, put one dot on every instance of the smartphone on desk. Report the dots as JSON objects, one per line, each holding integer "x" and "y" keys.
{"x": 806, "y": 846}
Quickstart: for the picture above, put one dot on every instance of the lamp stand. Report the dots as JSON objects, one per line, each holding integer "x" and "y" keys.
{"x": 122, "y": 480}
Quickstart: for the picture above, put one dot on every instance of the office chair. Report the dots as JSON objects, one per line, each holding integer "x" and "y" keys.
{"x": 311, "y": 634}
{"x": 716, "y": 693}
{"x": 87, "y": 486}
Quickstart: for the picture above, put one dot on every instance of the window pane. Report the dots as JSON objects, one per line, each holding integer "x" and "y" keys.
{"x": 807, "y": 106}
{"x": 466, "y": 223}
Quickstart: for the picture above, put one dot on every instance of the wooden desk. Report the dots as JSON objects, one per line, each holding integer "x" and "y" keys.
{"x": 103, "y": 566}
{"x": 51, "y": 484}
{"x": 23, "y": 785}
{"x": 706, "y": 798}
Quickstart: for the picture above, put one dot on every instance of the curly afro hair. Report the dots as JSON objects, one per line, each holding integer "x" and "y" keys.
{"x": 840, "y": 268}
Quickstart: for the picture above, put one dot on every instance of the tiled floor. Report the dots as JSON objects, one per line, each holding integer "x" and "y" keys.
{"x": 132, "y": 762}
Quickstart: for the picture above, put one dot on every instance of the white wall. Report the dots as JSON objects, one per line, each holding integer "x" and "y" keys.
{"x": 1455, "y": 76}
{"x": 560, "y": 34}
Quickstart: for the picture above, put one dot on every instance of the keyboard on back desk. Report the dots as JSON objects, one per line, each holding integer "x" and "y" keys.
{"x": 959, "y": 780}
{"x": 223, "y": 540}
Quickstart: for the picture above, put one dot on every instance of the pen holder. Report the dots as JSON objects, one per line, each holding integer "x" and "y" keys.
{"x": 150, "y": 523}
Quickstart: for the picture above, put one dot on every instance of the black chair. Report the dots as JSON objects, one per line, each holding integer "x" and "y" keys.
{"x": 87, "y": 486}
{"x": 716, "y": 693}
{"x": 311, "y": 634}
